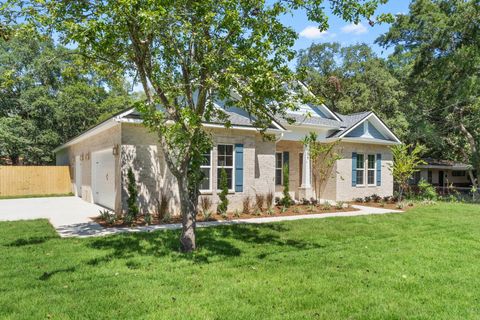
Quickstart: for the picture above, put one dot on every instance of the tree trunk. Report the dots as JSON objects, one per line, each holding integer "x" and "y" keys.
{"x": 189, "y": 215}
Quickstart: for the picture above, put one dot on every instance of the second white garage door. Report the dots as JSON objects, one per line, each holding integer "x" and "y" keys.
{"x": 103, "y": 178}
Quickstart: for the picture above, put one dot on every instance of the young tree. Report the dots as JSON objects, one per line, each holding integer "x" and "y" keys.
{"x": 323, "y": 157}
{"x": 186, "y": 54}
{"x": 405, "y": 164}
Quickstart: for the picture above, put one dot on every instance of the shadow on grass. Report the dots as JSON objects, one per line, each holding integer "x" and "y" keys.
{"x": 28, "y": 241}
{"x": 215, "y": 242}
{"x": 47, "y": 275}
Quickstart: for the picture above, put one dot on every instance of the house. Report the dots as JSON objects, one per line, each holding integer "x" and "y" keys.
{"x": 99, "y": 159}
{"x": 445, "y": 173}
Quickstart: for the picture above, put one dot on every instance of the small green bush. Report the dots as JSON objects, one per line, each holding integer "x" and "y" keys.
{"x": 339, "y": 205}
{"x": 426, "y": 190}
{"x": 132, "y": 201}
{"x": 148, "y": 218}
{"x": 223, "y": 205}
{"x": 326, "y": 206}
{"x": 286, "y": 201}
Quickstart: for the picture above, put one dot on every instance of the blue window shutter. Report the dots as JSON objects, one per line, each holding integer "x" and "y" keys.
{"x": 286, "y": 159}
{"x": 239, "y": 167}
{"x": 379, "y": 169}
{"x": 354, "y": 169}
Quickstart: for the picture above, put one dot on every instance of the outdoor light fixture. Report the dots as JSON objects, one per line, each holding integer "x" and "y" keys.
{"x": 115, "y": 150}
{"x": 81, "y": 157}
{"x": 87, "y": 156}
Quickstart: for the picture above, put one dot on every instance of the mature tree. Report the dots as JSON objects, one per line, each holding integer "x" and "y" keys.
{"x": 47, "y": 96}
{"x": 186, "y": 54}
{"x": 352, "y": 79}
{"x": 437, "y": 47}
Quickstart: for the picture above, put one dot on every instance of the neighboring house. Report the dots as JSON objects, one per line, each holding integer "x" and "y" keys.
{"x": 100, "y": 157}
{"x": 445, "y": 173}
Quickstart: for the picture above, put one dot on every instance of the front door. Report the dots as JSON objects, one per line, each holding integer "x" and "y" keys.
{"x": 440, "y": 178}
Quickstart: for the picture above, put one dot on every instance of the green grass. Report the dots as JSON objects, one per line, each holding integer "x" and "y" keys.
{"x": 424, "y": 264}
{"x": 37, "y": 196}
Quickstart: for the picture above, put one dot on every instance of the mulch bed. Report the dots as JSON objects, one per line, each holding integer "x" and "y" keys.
{"x": 294, "y": 210}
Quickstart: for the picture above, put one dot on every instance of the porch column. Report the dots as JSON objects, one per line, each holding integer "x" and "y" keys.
{"x": 306, "y": 174}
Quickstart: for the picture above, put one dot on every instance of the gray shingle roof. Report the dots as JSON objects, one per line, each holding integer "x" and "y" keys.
{"x": 313, "y": 120}
{"x": 235, "y": 118}
{"x": 348, "y": 121}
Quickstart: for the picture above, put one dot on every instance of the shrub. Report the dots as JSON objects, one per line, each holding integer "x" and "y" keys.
{"x": 259, "y": 201}
{"x": 387, "y": 199}
{"x": 132, "y": 204}
{"x": 339, "y": 205}
{"x": 270, "y": 211}
{"x": 236, "y": 214}
{"x": 162, "y": 206}
{"x": 286, "y": 201}
{"x": 359, "y": 200}
{"x": 400, "y": 205}
{"x": 367, "y": 199}
{"x": 111, "y": 218}
{"x": 426, "y": 190}
{"x": 128, "y": 219}
{"x": 269, "y": 199}
{"x": 223, "y": 205}
{"x": 246, "y": 205}
{"x": 376, "y": 198}
{"x": 148, "y": 218}
{"x": 104, "y": 214}
{"x": 167, "y": 218}
{"x": 382, "y": 203}
{"x": 205, "y": 205}
{"x": 313, "y": 201}
{"x": 327, "y": 206}
{"x": 207, "y": 215}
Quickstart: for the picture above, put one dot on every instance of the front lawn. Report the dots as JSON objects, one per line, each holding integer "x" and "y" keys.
{"x": 422, "y": 264}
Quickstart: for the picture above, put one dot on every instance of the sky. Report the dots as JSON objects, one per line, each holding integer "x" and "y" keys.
{"x": 343, "y": 32}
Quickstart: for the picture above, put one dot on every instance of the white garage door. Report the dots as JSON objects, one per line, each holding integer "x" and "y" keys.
{"x": 103, "y": 178}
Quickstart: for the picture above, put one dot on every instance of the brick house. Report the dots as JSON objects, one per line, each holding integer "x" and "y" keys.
{"x": 100, "y": 157}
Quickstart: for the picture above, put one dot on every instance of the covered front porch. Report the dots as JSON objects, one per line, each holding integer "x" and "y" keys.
{"x": 297, "y": 156}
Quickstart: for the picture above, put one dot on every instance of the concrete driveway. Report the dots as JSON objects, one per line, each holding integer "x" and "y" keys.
{"x": 61, "y": 211}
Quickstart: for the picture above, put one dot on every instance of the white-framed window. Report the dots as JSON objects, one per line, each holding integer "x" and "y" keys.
{"x": 226, "y": 160}
{"x": 206, "y": 168}
{"x": 360, "y": 169}
{"x": 278, "y": 168}
{"x": 371, "y": 169}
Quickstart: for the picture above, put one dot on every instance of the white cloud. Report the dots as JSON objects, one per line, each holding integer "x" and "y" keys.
{"x": 355, "y": 28}
{"x": 312, "y": 32}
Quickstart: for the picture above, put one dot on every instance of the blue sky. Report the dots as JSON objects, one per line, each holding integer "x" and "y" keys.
{"x": 341, "y": 31}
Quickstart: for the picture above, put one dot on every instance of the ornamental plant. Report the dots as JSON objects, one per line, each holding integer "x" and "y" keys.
{"x": 223, "y": 205}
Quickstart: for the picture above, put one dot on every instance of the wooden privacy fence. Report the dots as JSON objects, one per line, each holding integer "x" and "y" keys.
{"x": 34, "y": 180}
